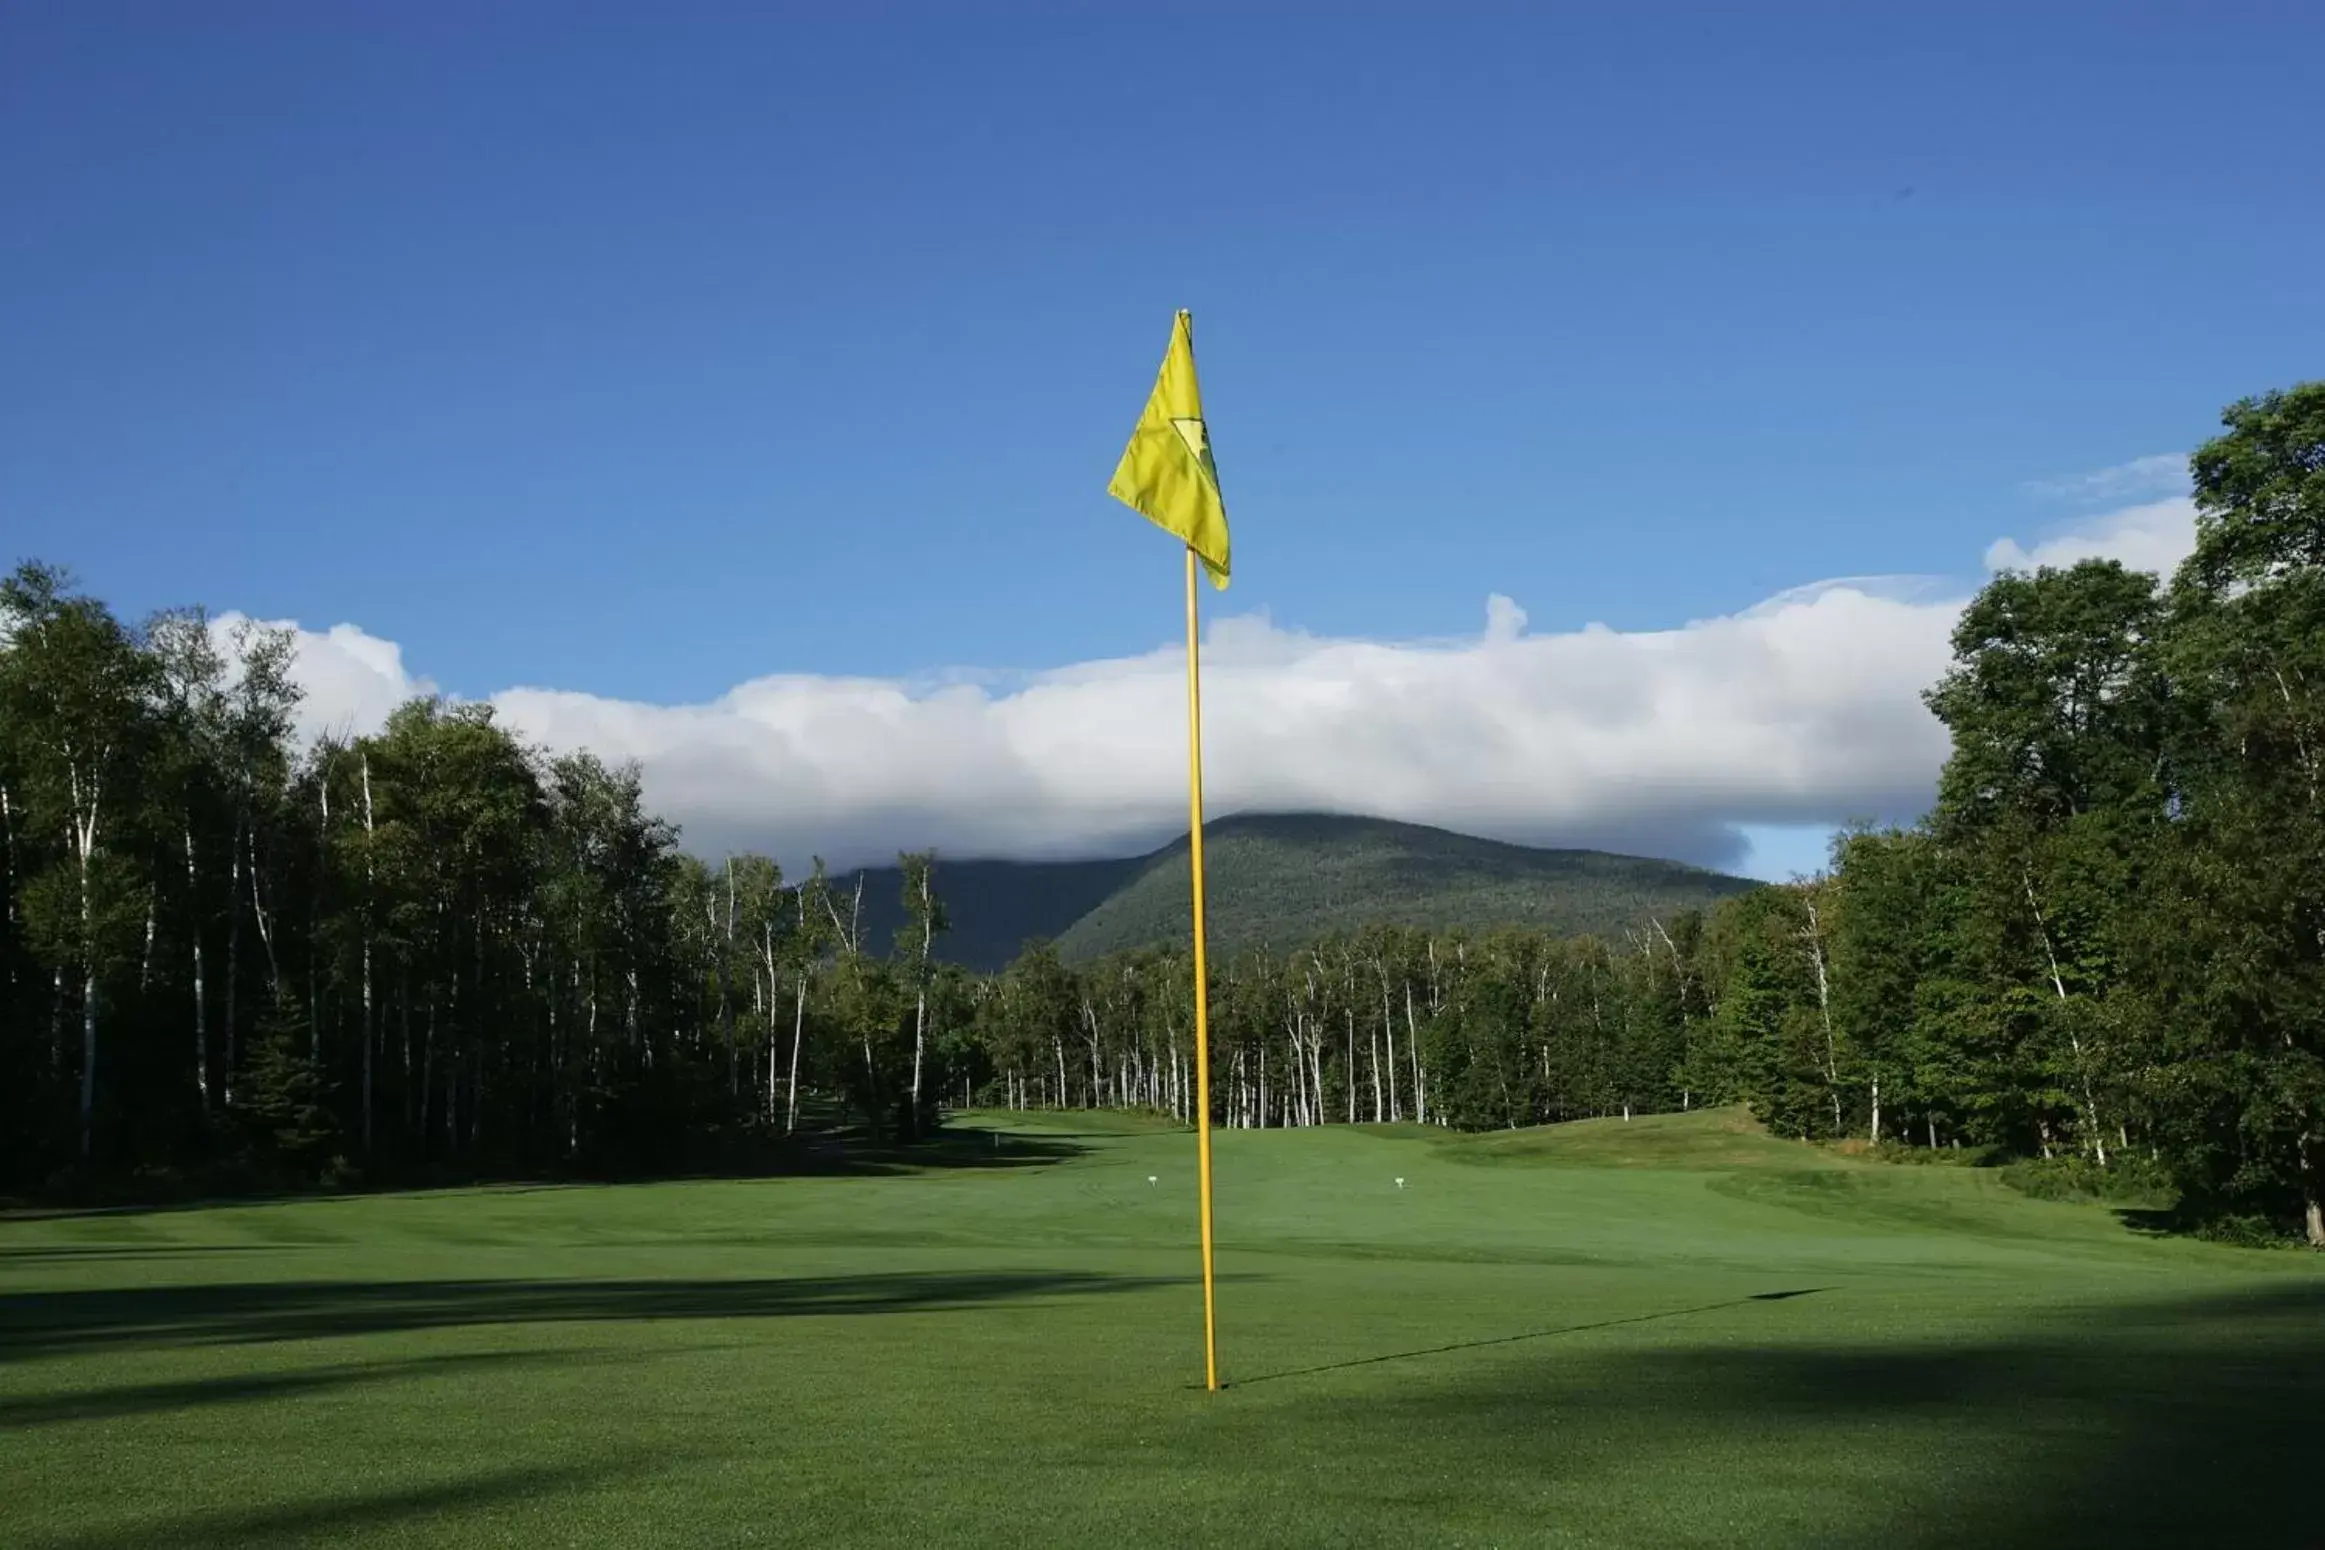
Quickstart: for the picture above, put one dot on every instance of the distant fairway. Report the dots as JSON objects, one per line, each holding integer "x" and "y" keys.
{"x": 1668, "y": 1333}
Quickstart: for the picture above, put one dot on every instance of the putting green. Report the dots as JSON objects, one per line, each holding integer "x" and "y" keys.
{"x": 1671, "y": 1332}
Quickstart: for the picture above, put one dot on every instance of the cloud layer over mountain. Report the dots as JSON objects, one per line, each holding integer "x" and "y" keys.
{"x": 1803, "y": 710}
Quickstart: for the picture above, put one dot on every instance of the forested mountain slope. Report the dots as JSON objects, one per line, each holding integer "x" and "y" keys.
{"x": 993, "y": 907}
{"x": 1285, "y": 880}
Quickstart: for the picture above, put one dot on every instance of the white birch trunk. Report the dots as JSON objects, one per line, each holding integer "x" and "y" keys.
{"x": 229, "y": 1056}
{"x": 1316, "y": 1069}
{"x": 201, "y": 1010}
{"x": 920, "y": 990}
{"x": 1413, "y": 1044}
{"x": 85, "y": 835}
{"x": 265, "y": 925}
{"x": 2066, "y": 1015}
{"x": 798, "y": 1034}
{"x": 8, "y": 861}
{"x": 1389, "y": 1034}
{"x": 314, "y": 919}
{"x": 798, "y": 1017}
{"x": 427, "y": 1069}
{"x": 767, "y": 960}
{"x": 2313, "y": 1213}
{"x": 726, "y": 970}
{"x": 370, "y": 1020}
{"x": 1824, "y": 1007}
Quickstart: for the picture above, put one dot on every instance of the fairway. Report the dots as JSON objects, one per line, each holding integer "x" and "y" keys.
{"x": 1671, "y": 1332}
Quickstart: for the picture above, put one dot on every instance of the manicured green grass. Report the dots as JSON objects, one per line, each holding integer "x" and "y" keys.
{"x": 1676, "y": 1332}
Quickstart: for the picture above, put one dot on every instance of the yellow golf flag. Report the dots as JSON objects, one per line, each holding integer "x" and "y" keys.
{"x": 1166, "y": 472}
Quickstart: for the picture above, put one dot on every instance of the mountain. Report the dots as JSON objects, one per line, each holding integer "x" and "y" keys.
{"x": 1285, "y": 881}
{"x": 1288, "y": 879}
{"x": 995, "y": 907}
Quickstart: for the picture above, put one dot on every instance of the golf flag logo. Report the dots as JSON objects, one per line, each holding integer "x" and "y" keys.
{"x": 1167, "y": 473}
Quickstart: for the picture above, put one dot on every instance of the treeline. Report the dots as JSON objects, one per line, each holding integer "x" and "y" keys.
{"x": 435, "y": 952}
{"x": 1384, "y": 1025}
{"x": 432, "y": 952}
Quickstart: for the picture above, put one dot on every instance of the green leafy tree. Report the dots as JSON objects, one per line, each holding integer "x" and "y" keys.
{"x": 2241, "y": 999}
{"x": 76, "y": 692}
{"x": 2052, "y": 803}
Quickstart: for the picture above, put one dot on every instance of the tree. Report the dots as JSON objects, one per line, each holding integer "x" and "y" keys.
{"x": 2052, "y": 802}
{"x": 2243, "y": 993}
{"x": 250, "y": 739}
{"x": 1886, "y": 944}
{"x": 286, "y": 1105}
{"x": 185, "y": 795}
{"x": 925, "y": 917}
{"x": 75, "y": 692}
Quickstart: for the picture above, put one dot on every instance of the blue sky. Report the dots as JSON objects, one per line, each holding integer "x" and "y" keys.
{"x": 641, "y": 352}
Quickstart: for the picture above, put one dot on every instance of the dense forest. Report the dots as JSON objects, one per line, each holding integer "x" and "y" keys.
{"x": 231, "y": 958}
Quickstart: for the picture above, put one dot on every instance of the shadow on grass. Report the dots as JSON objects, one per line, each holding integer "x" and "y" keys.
{"x": 243, "y": 1387}
{"x": 2198, "y": 1422}
{"x": 851, "y": 1155}
{"x": 321, "y": 1521}
{"x": 1532, "y": 1334}
{"x": 75, "y": 1252}
{"x": 43, "y": 1323}
{"x": 841, "y": 1152}
{"x": 70, "y": 1213}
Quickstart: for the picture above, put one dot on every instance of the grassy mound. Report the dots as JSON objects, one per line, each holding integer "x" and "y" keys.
{"x": 1707, "y": 1138}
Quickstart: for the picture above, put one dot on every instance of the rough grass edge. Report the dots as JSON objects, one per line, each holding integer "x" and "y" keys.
{"x": 2129, "y": 1180}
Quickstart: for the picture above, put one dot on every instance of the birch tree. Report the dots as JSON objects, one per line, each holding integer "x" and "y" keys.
{"x": 78, "y": 690}
{"x": 925, "y": 917}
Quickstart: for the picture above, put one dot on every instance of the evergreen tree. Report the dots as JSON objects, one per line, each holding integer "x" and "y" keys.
{"x": 285, "y": 1103}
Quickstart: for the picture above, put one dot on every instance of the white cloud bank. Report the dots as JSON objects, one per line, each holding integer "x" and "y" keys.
{"x": 2154, "y": 537}
{"x": 1805, "y": 710}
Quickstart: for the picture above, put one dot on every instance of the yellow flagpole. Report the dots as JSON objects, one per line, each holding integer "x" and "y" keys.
{"x": 1202, "y": 973}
